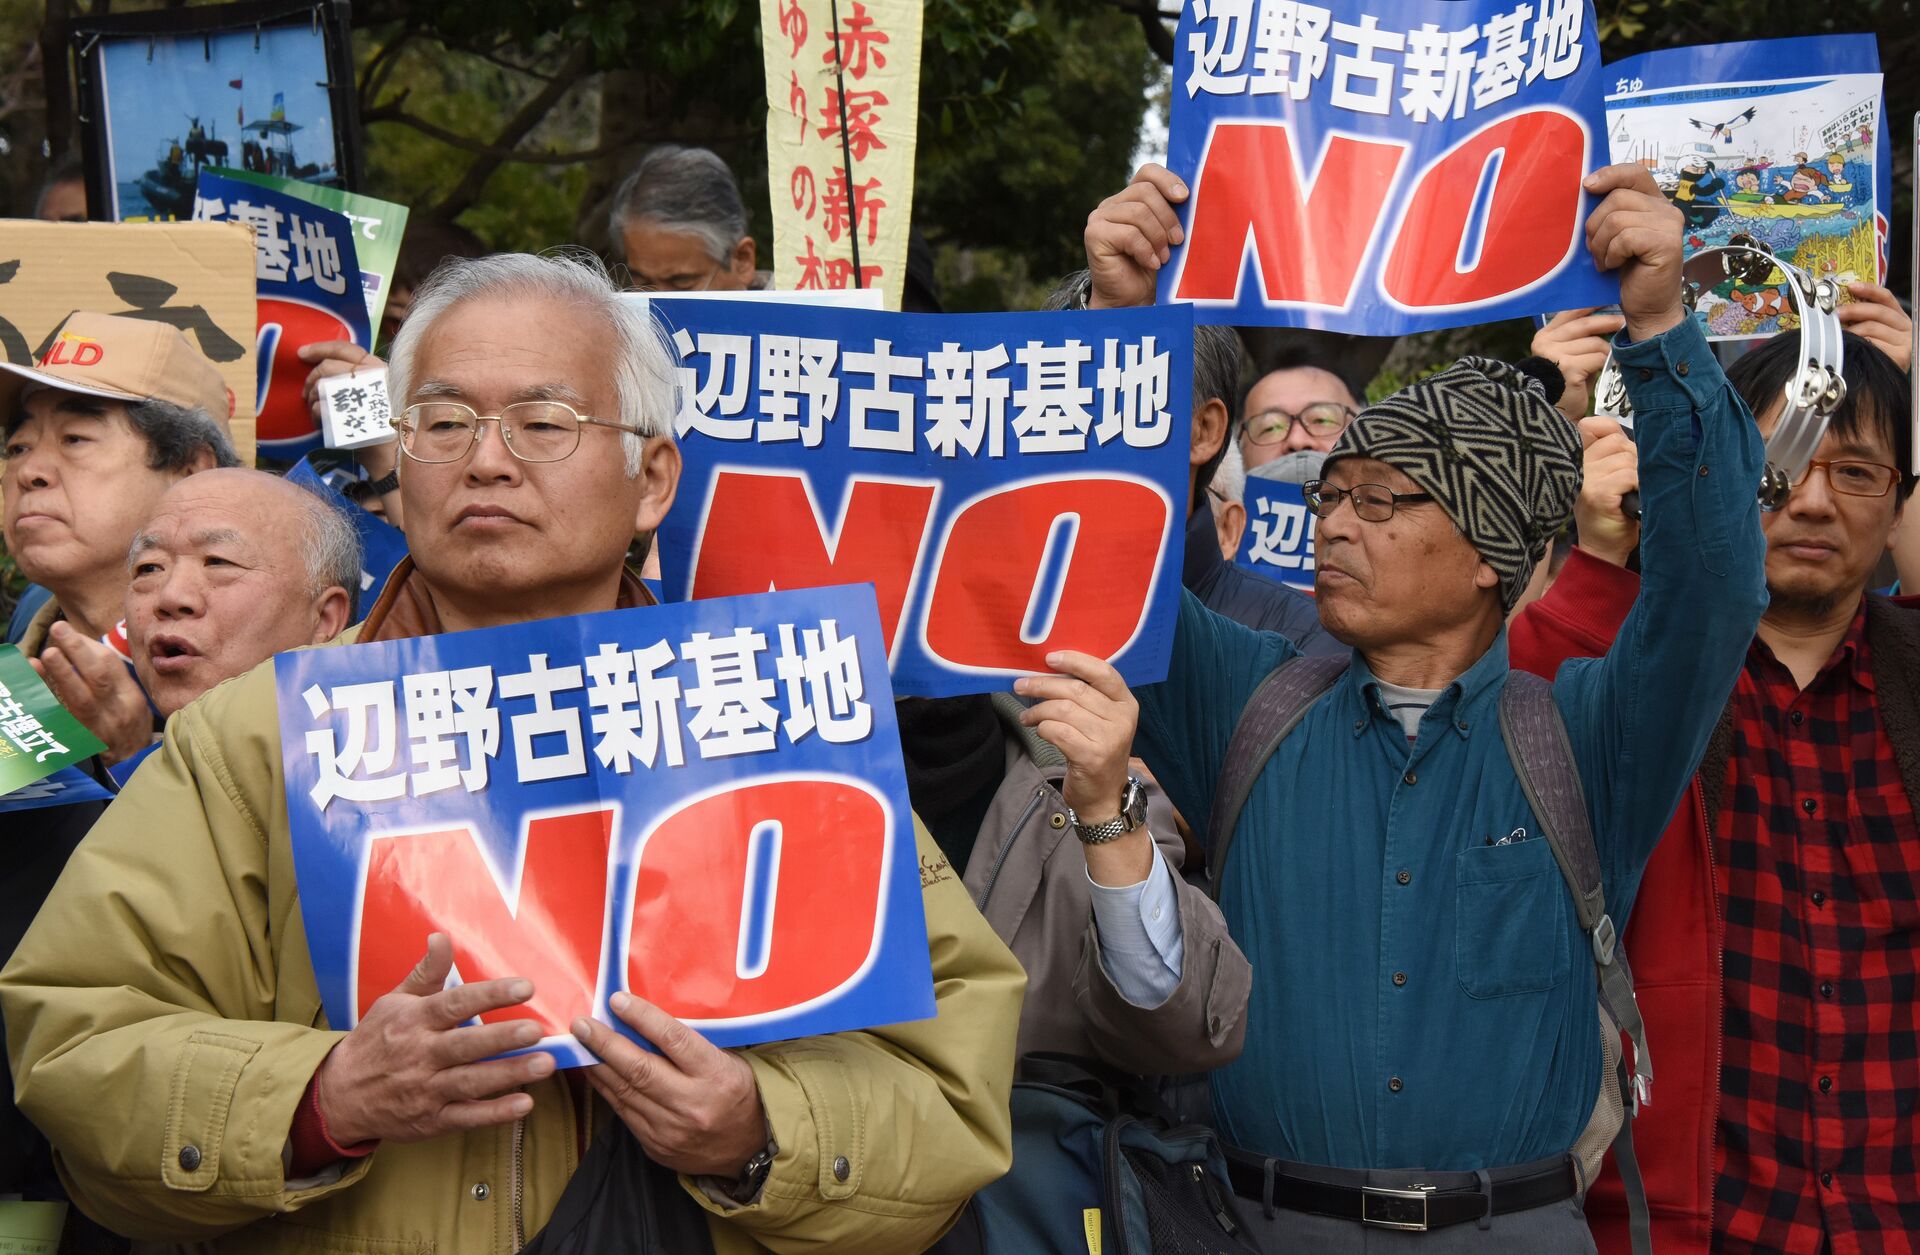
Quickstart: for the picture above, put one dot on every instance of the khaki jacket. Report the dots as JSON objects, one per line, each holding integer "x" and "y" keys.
{"x": 164, "y": 1000}
{"x": 1028, "y": 875}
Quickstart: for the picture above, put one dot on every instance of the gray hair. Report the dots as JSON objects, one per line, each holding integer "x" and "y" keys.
{"x": 331, "y": 547}
{"x": 683, "y": 189}
{"x": 640, "y": 356}
{"x": 1230, "y": 477}
{"x": 175, "y": 435}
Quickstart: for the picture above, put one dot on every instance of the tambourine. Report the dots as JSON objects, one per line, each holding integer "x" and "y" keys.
{"x": 1814, "y": 390}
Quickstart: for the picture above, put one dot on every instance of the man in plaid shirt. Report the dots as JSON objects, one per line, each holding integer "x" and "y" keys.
{"x": 1776, "y": 938}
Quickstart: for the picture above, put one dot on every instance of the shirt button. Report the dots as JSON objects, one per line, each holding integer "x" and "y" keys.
{"x": 481, "y": 1191}
{"x": 1405, "y": 877}
{"x": 1411, "y": 778}
{"x": 1058, "y": 820}
{"x": 1703, "y": 471}
{"x": 841, "y": 1168}
{"x": 1645, "y": 374}
{"x": 1818, "y": 897}
{"x": 1399, "y": 978}
{"x": 1826, "y": 989}
{"x": 189, "y": 1158}
{"x": 1359, "y": 725}
{"x": 1826, "y": 1178}
{"x": 1681, "y": 369}
{"x": 1799, "y": 717}
{"x": 1809, "y": 805}
{"x": 1156, "y": 913}
{"x": 1826, "y": 1085}
{"x": 1395, "y": 1084}
{"x": 1462, "y": 725}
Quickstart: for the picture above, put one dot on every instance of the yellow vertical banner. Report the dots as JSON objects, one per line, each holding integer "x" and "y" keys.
{"x": 843, "y": 107}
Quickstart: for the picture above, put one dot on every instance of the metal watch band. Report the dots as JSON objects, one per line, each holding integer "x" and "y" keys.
{"x": 1133, "y": 814}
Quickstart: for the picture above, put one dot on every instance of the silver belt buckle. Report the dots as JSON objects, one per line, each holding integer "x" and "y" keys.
{"x": 1395, "y": 1209}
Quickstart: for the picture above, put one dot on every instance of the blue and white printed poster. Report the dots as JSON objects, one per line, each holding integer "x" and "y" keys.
{"x": 1011, "y": 484}
{"x": 1385, "y": 169}
{"x": 309, "y": 291}
{"x": 703, "y": 805}
{"x": 1778, "y": 142}
{"x": 1278, "y": 541}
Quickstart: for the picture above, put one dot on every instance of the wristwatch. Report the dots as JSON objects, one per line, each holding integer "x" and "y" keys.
{"x": 1133, "y": 814}
{"x": 746, "y": 1187}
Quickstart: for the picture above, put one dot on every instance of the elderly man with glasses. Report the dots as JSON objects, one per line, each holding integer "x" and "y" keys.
{"x": 1425, "y": 1064}
{"x": 173, "y": 1048}
{"x": 1295, "y": 408}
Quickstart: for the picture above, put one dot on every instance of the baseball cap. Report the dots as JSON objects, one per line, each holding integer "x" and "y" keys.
{"x": 121, "y": 359}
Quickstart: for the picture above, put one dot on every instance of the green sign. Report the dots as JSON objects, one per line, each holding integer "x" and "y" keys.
{"x": 378, "y": 226}
{"x": 37, "y": 735}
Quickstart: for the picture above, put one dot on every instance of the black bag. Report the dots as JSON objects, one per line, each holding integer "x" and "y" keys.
{"x": 1101, "y": 1167}
{"x": 619, "y": 1202}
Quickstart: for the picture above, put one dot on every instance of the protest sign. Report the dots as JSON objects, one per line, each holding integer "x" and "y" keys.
{"x": 37, "y": 735}
{"x": 65, "y": 787}
{"x": 195, "y": 276}
{"x": 309, "y": 290}
{"x": 1775, "y": 141}
{"x": 843, "y": 109}
{"x": 355, "y": 410}
{"x": 379, "y": 226}
{"x": 1011, "y": 484}
{"x": 703, "y": 805}
{"x": 382, "y": 545}
{"x": 1278, "y": 541}
{"x": 1385, "y": 175}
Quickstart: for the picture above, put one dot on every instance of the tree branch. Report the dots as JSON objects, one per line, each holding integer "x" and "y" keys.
{"x": 1152, "y": 25}
{"x": 530, "y": 115}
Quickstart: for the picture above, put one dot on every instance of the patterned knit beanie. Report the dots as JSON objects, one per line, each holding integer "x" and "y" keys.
{"x": 1483, "y": 437}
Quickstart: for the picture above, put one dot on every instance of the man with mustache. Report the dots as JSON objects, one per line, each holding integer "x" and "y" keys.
{"x": 1777, "y": 936}
{"x": 1424, "y": 1063}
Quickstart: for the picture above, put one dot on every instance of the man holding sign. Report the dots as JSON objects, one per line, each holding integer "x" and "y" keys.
{"x": 1421, "y": 1052}
{"x": 192, "y": 1011}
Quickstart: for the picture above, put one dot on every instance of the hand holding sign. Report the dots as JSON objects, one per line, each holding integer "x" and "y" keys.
{"x": 1610, "y": 469}
{"x": 1875, "y": 316}
{"x": 409, "y": 1071}
{"x": 1637, "y": 232}
{"x": 1578, "y": 342}
{"x": 694, "y": 1107}
{"x": 1087, "y": 712}
{"x": 1130, "y": 235}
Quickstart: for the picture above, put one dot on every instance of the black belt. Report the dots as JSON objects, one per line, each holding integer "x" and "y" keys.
{"x": 1450, "y": 1198}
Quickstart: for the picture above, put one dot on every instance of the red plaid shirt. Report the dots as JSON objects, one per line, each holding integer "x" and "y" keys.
{"x": 1818, "y": 862}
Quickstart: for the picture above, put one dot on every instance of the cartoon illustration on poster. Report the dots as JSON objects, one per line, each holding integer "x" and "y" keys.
{"x": 1778, "y": 142}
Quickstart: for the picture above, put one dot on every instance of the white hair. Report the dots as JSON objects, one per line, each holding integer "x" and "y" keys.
{"x": 331, "y": 549}
{"x": 683, "y": 189}
{"x": 1230, "y": 477}
{"x": 640, "y": 356}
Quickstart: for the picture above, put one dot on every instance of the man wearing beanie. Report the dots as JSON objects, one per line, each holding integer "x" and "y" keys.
{"x": 1423, "y": 1048}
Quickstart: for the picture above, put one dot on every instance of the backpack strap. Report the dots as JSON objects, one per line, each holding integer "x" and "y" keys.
{"x": 1276, "y": 708}
{"x": 1542, "y": 756}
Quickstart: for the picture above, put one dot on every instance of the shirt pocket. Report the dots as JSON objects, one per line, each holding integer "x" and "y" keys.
{"x": 1510, "y": 920}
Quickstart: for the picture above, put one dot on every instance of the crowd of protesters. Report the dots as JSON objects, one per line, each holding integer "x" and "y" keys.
{"x": 1348, "y": 942}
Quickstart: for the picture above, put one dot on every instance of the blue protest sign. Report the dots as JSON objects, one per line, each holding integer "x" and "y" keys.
{"x": 64, "y": 787}
{"x": 1278, "y": 541}
{"x": 1779, "y": 141}
{"x": 1385, "y": 173}
{"x": 382, "y": 545}
{"x": 1009, "y": 483}
{"x": 309, "y": 290}
{"x": 701, "y": 804}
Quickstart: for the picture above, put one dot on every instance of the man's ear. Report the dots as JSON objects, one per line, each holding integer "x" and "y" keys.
{"x": 202, "y": 460}
{"x": 745, "y": 260}
{"x": 1209, "y": 432}
{"x": 1230, "y": 524}
{"x": 1485, "y": 576}
{"x": 331, "y": 613}
{"x": 659, "y": 479}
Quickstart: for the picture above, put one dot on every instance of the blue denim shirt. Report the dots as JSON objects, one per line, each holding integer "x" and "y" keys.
{"x": 1359, "y": 860}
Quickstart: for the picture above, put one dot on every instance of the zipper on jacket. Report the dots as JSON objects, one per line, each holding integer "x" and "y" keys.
{"x": 519, "y": 1188}
{"x": 1000, "y": 861}
{"x": 1211, "y": 1188}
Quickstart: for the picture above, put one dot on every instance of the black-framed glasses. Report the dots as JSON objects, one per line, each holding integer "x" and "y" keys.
{"x": 1854, "y": 478}
{"x": 1323, "y": 419}
{"x": 1373, "y": 502}
{"x": 534, "y": 431}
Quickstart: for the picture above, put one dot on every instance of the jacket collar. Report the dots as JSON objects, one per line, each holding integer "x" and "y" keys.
{"x": 406, "y": 608}
{"x": 1484, "y": 677}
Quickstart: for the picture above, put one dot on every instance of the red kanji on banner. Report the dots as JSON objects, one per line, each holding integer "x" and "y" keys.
{"x": 797, "y": 103}
{"x": 810, "y": 268}
{"x": 845, "y": 212}
{"x": 861, "y": 120}
{"x": 857, "y": 40}
{"x": 802, "y": 188}
{"x": 793, "y": 24}
{"x": 840, "y": 273}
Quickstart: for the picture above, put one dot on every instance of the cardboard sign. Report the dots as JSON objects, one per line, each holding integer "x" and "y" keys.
{"x": 194, "y": 276}
{"x": 1279, "y": 538}
{"x": 843, "y": 115}
{"x": 37, "y": 735}
{"x": 379, "y": 225}
{"x": 309, "y": 290}
{"x": 1777, "y": 141}
{"x": 1382, "y": 175}
{"x": 1011, "y": 484}
{"x": 701, "y": 804}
